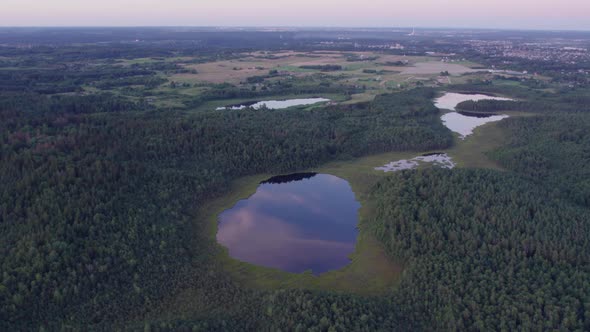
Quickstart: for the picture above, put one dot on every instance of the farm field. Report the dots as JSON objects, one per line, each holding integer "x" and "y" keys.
{"x": 284, "y": 74}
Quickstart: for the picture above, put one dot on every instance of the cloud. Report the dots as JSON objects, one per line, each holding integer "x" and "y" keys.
{"x": 268, "y": 241}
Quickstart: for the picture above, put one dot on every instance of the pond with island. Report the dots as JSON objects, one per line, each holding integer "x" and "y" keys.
{"x": 463, "y": 123}
{"x": 295, "y": 223}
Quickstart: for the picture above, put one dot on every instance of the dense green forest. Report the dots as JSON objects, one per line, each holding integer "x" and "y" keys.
{"x": 486, "y": 250}
{"x": 550, "y": 148}
{"x": 105, "y": 161}
{"x": 553, "y": 150}
{"x": 576, "y": 101}
{"x": 483, "y": 250}
{"x": 96, "y": 194}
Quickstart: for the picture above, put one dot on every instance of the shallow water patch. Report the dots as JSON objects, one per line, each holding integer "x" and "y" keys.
{"x": 436, "y": 159}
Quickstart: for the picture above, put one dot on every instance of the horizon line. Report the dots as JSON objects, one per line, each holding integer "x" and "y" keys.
{"x": 292, "y": 27}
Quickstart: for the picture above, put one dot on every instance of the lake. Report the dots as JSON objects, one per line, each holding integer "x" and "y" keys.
{"x": 464, "y": 123}
{"x": 294, "y": 223}
{"x": 450, "y": 100}
{"x": 275, "y": 104}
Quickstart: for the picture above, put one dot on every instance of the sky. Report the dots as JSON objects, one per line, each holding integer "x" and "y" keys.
{"x": 505, "y": 14}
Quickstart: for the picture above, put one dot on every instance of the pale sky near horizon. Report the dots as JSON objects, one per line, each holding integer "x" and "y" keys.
{"x": 508, "y": 14}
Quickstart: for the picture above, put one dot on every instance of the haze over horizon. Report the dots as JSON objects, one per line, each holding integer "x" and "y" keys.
{"x": 499, "y": 14}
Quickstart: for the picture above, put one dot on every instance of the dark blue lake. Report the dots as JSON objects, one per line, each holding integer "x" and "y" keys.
{"x": 295, "y": 223}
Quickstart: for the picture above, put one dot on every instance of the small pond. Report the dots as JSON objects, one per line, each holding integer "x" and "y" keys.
{"x": 294, "y": 223}
{"x": 275, "y": 104}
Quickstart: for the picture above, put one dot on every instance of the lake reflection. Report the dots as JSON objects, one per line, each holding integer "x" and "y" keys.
{"x": 305, "y": 224}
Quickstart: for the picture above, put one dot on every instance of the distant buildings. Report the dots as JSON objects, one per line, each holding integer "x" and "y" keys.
{"x": 546, "y": 51}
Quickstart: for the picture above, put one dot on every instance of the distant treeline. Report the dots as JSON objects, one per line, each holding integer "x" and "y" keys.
{"x": 226, "y": 91}
{"x": 564, "y": 103}
{"x": 527, "y": 100}
{"x": 322, "y": 67}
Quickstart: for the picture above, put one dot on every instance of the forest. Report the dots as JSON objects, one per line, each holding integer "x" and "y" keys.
{"x": 109, "y": 193}
{"x": 486, "y": 251}
{"x": 107, "y": 156}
